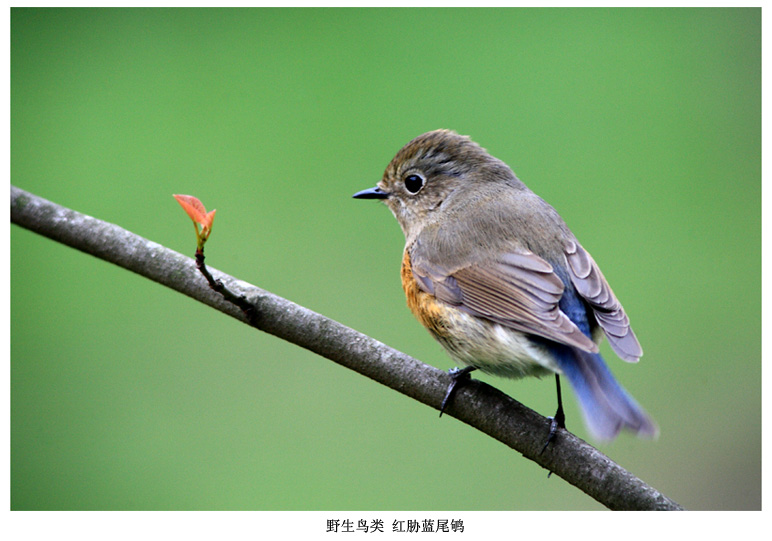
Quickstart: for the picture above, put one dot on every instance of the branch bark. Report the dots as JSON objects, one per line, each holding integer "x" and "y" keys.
{"x": 476, "y": 403}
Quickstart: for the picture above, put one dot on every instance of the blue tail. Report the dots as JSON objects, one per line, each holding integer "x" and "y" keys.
{"x": 606, "y": 406}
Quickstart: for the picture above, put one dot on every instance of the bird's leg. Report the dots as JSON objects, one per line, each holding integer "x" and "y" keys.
{"x": 559, "y": 420}
{"x": 457, "y": 375}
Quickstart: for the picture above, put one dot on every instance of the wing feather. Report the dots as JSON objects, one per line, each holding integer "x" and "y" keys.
{"x": 518, "y": 290}
{"x": 593, "y": 287}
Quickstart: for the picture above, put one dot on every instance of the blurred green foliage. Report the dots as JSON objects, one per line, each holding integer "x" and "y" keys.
{"x": 641, "y": 126}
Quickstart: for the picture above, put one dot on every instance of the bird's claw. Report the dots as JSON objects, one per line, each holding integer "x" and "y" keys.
{"x": 457, "y": 375}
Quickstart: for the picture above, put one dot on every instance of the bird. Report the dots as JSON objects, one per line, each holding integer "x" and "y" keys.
{"x": 500, "y": 281}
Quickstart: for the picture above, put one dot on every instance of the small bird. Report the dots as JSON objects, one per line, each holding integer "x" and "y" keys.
{"x": 495, "y": 275}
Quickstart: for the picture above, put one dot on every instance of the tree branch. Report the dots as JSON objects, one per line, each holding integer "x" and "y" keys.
{"x": 476, "y": 403}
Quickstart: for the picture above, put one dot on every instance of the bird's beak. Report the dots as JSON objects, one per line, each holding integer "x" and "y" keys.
{"x": 371, "y": 193}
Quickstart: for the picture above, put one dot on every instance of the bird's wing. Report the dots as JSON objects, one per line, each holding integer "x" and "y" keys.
{"x": 593, "y": 287}
{"x": 517, "y": 290}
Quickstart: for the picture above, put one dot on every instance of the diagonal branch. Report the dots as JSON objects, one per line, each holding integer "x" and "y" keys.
{"x": 477, "y": 404}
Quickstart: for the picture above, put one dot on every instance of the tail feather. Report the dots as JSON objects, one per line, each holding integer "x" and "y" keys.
{"x": 606, "y": 406}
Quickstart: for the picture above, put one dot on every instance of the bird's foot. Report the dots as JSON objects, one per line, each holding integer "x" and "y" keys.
{"x": 558, "y": 421}
{"x": 458, "y": 375}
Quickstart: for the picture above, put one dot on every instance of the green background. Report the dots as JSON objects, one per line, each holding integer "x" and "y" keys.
{"x": 642, "y": 127}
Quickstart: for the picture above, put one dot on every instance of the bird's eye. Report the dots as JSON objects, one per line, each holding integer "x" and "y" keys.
{"x": 413, "y": 183}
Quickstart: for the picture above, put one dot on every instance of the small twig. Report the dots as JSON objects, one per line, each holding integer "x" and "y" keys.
{"x": 249, "y": 310}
